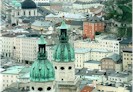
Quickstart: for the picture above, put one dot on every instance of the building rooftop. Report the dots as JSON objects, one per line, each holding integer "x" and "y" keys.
{"x": 82, "y": 50}
{"x": 89, "y": 2}
{"x": 70, "y": 16}
{"x": 88, "y": 72}
{"x": 13, "y": 70}
{"x": 87, "y": 89}
{"x": 100, "y": 50}
{"x": 11, "y": 89}
{"x": 25, "y": 76}
{"x": 122, "y": 75}
{"x": 129, "y": 49}
{"x": 42, "y": 23}
{"x": 94, "y": 19}
{"x": 86, "y": 50}
{"x": 114, "y": 57}
{"x": 31, "y": 18}
{"x": 126, "y": 40}
{"x": 93, "y": 61}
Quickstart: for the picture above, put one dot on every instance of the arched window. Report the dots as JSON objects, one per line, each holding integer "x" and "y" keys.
{"x": 49, "y": 88}
{"x": 69, "y": 67}
{"x": 62, "y": 68}
{"x": 29, "y": 13}
{"x": 40, "y": 89}
{"x": 24, "y": 12}
{"x": 34, "y": 12}
{"x": 55, "y": 67}
{"x": 32, "y": 88}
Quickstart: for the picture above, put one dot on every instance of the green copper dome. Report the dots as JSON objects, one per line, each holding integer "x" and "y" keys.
{"x": 13, "y": 2}
{"x": 63, "y": 25}
{"x": 18, "y": 4}
{"x": 42, "y": 40}
{"x": 64, "y": 52}
{"x": 42, "y": 69}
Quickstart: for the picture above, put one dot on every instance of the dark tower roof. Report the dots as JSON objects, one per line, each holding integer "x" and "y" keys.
{"x": 28, "y": 4}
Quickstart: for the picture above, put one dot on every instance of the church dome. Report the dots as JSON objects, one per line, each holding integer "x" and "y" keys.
{"x": 42, "y": 69}
{"x": 64, "y": 52}
{"x": 28, "y": 4}
{"x": 14, "y": 2}
{"x": 18, "y": 4}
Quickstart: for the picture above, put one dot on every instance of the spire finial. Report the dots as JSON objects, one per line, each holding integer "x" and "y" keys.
{"x": 41, "y": 30}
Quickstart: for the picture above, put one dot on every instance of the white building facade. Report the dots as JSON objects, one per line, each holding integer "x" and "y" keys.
{"x": 101, "y": 42}
{"x": 22, "y": 48}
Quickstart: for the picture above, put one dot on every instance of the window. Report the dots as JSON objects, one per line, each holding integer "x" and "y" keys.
{"x": 32, "y": 88}
{"x": 69, "y": 67}
{"x": 34, "y": 13}
{"x": 29, "y": 13}
{"x": 18, "y": 13}
{"x": 24, "y": 12}
{"x": 49, "y": 88}
{"x": 62, "y": 68}
{"x": 40, "y": 89}
{"x": 55, "y": 67}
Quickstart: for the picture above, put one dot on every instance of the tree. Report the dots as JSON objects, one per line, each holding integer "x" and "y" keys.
{"x": 120, "y": 11}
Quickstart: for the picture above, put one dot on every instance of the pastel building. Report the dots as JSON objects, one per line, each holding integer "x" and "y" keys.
{"x": 120, "y": 77}
{"x": 10, "y": 75}
{"x": 7, "y": 46}
{"x": 83, "y": 55}
{"x": 91, "y": 26}
{"x": 108, "y": 42}
{"x": 92, "y": 64}
{"x": 23, "y": 48}
{"x": 127, "y": 58}
{"x": 14, "y": 10}
{"x": 112, "y": 62}
{"x": 64, "y": 57}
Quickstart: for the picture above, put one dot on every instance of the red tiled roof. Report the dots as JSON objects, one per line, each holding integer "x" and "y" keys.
{"x": 87, "y": 89}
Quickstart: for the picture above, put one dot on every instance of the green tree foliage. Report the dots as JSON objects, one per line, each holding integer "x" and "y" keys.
{"x": 120, "y": 11}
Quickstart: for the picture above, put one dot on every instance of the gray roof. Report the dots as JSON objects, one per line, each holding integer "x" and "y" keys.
{"x": 87, "y": 72}
{"x": 12, "y": 89}
{"x": 31, "y": 18}
{"x": 114, "y": 57}
{"x": 42, "y": 23}
{"x": 43, "y": 4}
{"x": 126, "y": 40}
{"x": 43, "y": 11}
{"x": 127, "y": 50}
{"x": 93, "y": 61}
{"x": 77, "y": 23}
{"x": 122, "y": 75}
{"x": 94, "y": 19}
{"x": 90, "y": 2}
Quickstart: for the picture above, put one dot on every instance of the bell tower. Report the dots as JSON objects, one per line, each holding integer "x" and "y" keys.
{"x": 42, "y": 74}
{"x": 64, "y": 57}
